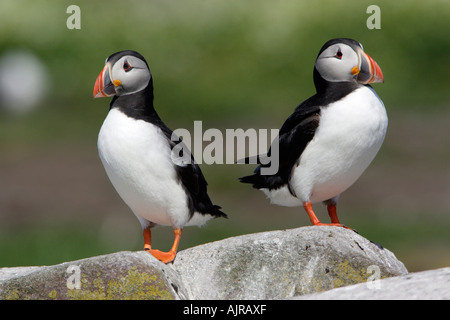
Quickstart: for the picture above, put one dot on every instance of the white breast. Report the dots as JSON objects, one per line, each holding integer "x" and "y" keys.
{"x": 136, "y": 157}
{"x": 349, "y": 136}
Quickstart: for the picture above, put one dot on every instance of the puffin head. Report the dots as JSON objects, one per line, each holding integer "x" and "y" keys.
{"x": 125, "y": 72}
{"x": 344, "y": 60}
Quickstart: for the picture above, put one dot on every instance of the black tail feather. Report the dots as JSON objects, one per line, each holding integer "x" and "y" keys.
{"x": 216, "y": 212}
{"x": 256, "y": 180}
{"x": 264, "y": 182}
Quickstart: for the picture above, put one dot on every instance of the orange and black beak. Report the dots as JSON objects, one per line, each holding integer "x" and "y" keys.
{"x": 103, "y": 85}
{"x": 368, "y": 70}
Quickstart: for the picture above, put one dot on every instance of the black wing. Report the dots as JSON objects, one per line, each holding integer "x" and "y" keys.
{"x": 299, "y": 129}
{"x": 295, "y": 134}
{"x": 191, "y": 178}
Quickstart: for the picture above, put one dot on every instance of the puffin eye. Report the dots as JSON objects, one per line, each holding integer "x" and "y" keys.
{"x": 126, "y": 66}
{"x": 339, "y": 54}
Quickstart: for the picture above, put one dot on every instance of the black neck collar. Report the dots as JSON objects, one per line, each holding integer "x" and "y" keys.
{"x": 138, "y": 105}
{"x": 330, "y": 91}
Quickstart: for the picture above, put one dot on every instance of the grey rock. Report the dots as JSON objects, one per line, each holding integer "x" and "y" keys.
{"x": 267, "y": 265}
{"x": 122, "y": 275}
{"x": 282, "y": 264}
{"x": 425, "y": 285}
{"x": 8, "y": 273}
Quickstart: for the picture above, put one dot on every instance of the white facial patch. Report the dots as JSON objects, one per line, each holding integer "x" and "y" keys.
{"x": 132, "y": 73}
{"x": 336, "y": 62}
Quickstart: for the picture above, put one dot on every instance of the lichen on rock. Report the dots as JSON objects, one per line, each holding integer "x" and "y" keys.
{"x": 267, "y": 265}
{"x": 123, "y": 275}
{"x": 135, "y": 285}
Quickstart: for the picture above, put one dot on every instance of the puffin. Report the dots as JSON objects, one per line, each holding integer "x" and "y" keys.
{"x": 331, "y": 138}
{"x": 135, "y": 148}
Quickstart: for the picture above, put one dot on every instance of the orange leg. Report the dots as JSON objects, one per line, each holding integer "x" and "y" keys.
{"x": 332, "y": 213}
{"x": 312, "y": 216}
{"x": 147, "y": 239}
{"x": 316, "y": 222}
{"x": 164, "y": 257}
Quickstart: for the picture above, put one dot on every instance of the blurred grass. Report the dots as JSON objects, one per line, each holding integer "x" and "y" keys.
{"x": 417, "y": 244}
{"x": 230, "y": 64}
{"x": 215, "y": 59}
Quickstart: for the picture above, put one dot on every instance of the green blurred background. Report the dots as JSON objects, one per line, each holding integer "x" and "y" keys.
{"x": 232, "y": 64}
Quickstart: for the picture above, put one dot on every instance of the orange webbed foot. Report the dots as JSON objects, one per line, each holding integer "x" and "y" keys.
{"x": 331, "y": 211}
{"x": 334, "y": 225}
{"x": 164, "y": 257}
